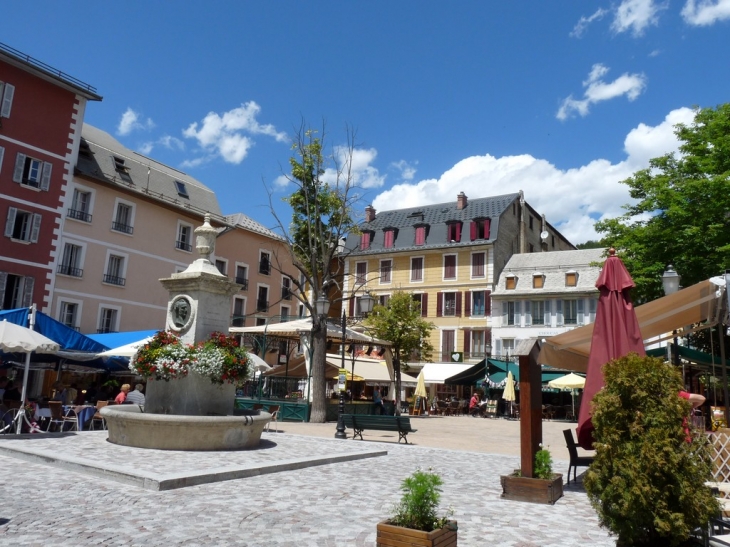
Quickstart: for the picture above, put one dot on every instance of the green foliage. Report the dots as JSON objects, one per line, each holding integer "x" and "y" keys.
{"x": 419, "y": 502}
{"x": 543, "y": 464}
{"x": 400, "y": 322}
{"x": 647, "y": 480}
{"x": 680, "y": 216}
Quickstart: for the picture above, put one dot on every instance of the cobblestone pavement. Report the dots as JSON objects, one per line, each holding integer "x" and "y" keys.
{"x": 329, "y": 505}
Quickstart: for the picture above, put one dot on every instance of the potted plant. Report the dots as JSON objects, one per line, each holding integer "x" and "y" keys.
{"x": 544, "y": 487}
{"x": 415, "y": 520}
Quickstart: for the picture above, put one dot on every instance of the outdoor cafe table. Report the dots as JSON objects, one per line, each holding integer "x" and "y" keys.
{"x": 84, "y": 413}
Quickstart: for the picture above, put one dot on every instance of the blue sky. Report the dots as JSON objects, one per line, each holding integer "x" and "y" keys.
{"x": 562, "y": 100}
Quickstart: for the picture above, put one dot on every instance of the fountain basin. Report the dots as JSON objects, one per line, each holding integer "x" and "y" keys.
{"x": 129, "y": 426}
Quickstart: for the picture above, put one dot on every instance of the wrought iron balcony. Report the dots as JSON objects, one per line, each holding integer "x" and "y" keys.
{"x": 114, "y": 280}
{"x": 184, "y": 246}
{"x": 120, "y": 227}
{"x": 238, "y": 320}
{"x": 243, "y": 282}
{"x": 65, "y": 269}
{"x": 78, "y": 214}
{"x": 285, "y": 293}
{"x": 265, "y": 267}
{"x": 262, "y": 305}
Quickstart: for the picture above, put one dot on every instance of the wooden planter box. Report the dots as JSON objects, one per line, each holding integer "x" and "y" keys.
{"x": 532, "y": 490}
{"x": 396, "y": 536}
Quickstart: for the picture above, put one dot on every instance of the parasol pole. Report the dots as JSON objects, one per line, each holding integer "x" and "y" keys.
{"x": 31, "y": 324}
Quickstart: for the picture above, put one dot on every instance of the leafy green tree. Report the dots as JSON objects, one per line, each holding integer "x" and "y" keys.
{"x": 647, "y": 480}
{"x": 322, "y": 206}
{"x": 401, "y": 323}
{"x": 681, "y": 214}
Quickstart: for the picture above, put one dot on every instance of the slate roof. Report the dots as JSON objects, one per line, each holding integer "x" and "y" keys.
{"x": 435, "y": 216}
{"x": 553, "y": 265}
{"x": 243, "y": 221}
{"x": 143, "y": 174}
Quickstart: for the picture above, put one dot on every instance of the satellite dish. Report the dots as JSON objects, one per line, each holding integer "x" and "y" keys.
{"x": 544, "y": 234}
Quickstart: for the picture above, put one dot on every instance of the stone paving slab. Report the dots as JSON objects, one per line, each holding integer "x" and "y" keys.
{"x": 337, "y": 504}
{"x": 91, "y": 453}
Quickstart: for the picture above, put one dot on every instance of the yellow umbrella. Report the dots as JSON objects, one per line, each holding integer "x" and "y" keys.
{"x": 509, "y": 390}
{"x": 349, "y": 377}
{"x": 421, "y": 386}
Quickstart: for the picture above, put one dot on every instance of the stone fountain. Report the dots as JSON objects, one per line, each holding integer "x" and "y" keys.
{"x": 190, "y": 413}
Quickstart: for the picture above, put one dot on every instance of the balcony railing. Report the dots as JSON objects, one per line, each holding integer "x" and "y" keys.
{"x": 121, "y": 227}
{"x": 262, "y": 305}
{"x": 238, "y": 320}
{"x": 114, "y": 280}
{"x": 77, "y": 214}
{"x": 285, "y": 293}
{"x": 265, "y": 267}
{"x": 184, "y": 246}
{"x": 243, "y": 282}
{"x": 105, "y": 330}
{"x": 65, "y": 269}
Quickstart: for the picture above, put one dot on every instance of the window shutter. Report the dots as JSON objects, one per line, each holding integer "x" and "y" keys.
{"x": 473, "y": 230}
{"x": 458, "y": 232}
{"x": 35, "y": 228}
{"x": 424, "y": 305}
{"x": 487, "y": 303}
{"x": 10, "y": 223}
{"x": 498, "y": 347}
{"x": 467, "y": 304}
{"x": 528, "y": 313}
{"x": 467, "y": 343}
{"x": 3, "y": 284}
{"x": 547, "y": 319}
{"x": 46, "y": 176}
{"x": 518, "y": 313}
{"x": 487, "y": 223}
{"x": 505, "y": 312}
{"x": 559, "y": 312}
{"x": 439, "y": 304}
{"x": 19, "y": 166}
{"x": 581, "y": 307}
{"x": 352, "y": 307}
{"x": 28, "y": 284}
{"x": 2, "y": 155}
{"x": 8, "y": 93}
{"x": 592, "y": 309}
{"x": 458, "y": 303}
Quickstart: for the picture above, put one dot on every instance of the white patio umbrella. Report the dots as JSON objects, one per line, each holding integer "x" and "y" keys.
{"x": 569, "y": 381}
{"x": 509, "y": 390}
{"x": 127, "y": 350}
{"x": 257, "y": 365}
{"x": 18, "y": 339}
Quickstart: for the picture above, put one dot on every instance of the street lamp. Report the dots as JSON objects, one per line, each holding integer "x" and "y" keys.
{"x": 670, "y": 281}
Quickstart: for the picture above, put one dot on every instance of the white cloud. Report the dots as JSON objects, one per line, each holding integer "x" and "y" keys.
{"x": 131, "y": 121}
{"x": 571, "y": 199}
{"x": 631, "y": 85}
{"x": 362, "y": 173}
{"x": 407, "y": 171}
{"x": 706, "y": 12}
{"x": 230, "y": 134}
{"x": 281, "y": 182}
{"x": 582, "y": 24}
{"x": 166, "y": 141}
{"x": 636, "y": 15}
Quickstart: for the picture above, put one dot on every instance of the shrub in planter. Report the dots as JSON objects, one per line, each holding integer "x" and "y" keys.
{"x": 647, "y": 480}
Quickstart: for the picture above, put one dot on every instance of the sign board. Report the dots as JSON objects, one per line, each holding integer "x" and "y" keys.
{"x": 457, "y": 356}
{"x": 341, "y": 379}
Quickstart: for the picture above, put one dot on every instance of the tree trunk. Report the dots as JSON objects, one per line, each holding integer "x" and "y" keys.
{"x": 396, "y": 370}
{"x": 319, "y": 380}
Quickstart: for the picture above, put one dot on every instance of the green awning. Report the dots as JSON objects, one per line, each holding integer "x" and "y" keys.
{"x": 692, "y": 355}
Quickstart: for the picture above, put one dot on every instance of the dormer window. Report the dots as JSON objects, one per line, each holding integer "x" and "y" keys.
{"x": 389, "y": 238}
{"x": 182, "y": 191}
{"x": 480, "y": 228}
{"x": 85, "y": 150}
{"x": 121, "y": 168}
{"x": 453, "y": 232}
{"x": 510, "y": 282}
{"x": 421, "y": 235}
{"x": 365, "y": 240}
{"x": 538, "y": 280}
{"x": 571, "y": 278}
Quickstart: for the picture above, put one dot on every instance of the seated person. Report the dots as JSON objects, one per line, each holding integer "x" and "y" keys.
{"x": 60, "y": 394}
{"x": 122, "y": 396}
{"x": 136, "y": 397}
{"x": 474, "y": 407}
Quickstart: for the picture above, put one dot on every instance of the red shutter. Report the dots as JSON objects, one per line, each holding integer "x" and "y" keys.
{"x": 473, "y": 230}
{"x": 458, "y": 303}
{"x": 458, "y": 232}
{"x": 365, "y": 241}
{"x": 487, "y": 223}
{"x": 420, "y": 235}
{"x": 439, "y": 304}
{"x": 389, "y": 239}
{"x": 467, "y": 305}
{"x": 487, "y": 302}
{"x": 467, "y": 343}
{"x": 424, "y": 305}
{"x": 352, "y": 307}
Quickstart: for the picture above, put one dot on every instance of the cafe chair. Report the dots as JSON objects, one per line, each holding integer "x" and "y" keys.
{"x": 85, "y": 415}
{"x": 575, "y": 460}
{"x": 257, "y": 406}
{"x": 97, "y": 417}
{"x": 274, "y": 411}
{"x": 59, "y": 418}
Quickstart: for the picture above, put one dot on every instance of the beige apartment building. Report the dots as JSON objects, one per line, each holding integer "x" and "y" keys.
{"x": 128, "y": 221}
{"x": 449, "y": 255}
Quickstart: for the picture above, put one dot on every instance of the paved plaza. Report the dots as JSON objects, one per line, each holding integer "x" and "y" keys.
{"x": 322, "y": 504}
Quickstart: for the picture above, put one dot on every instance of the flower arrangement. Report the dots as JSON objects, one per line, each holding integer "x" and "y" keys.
{"x": 165, "y": 357}
{"x": 543, "y": 464}
{"x": 419, "y": 502}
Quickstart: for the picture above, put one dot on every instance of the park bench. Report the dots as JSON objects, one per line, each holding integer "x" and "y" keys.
{"x": 360, "y": 422}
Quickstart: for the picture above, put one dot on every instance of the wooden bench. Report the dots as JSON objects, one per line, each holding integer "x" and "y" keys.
{"x": 360, "y": 422}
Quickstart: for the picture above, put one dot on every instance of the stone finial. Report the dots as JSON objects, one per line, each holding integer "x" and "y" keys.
{"x": 205, "y": 236}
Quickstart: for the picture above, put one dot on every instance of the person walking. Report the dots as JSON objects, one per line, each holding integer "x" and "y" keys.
{"x": 378, "y": 401}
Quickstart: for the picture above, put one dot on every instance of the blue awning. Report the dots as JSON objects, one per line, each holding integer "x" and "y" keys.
{"x": 116, "y": 339}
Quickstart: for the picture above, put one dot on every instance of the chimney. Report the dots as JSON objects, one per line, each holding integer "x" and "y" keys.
{"x": 461, "y": 201}
{"x": 369, "y": 213}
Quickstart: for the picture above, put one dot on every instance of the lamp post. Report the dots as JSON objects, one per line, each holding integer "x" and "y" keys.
{"x": 366, "y": 306}
{"x": 670, "y": 282}
{"x": 488, "y": 351}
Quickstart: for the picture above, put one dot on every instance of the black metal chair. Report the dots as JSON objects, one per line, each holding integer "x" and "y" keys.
{"x": 575, "y": 460}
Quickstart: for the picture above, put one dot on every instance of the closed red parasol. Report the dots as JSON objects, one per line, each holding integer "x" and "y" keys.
{"x": 615, "y": 334}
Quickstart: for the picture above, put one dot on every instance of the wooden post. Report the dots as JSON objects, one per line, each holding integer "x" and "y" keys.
{"x": 530, "y": 410}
